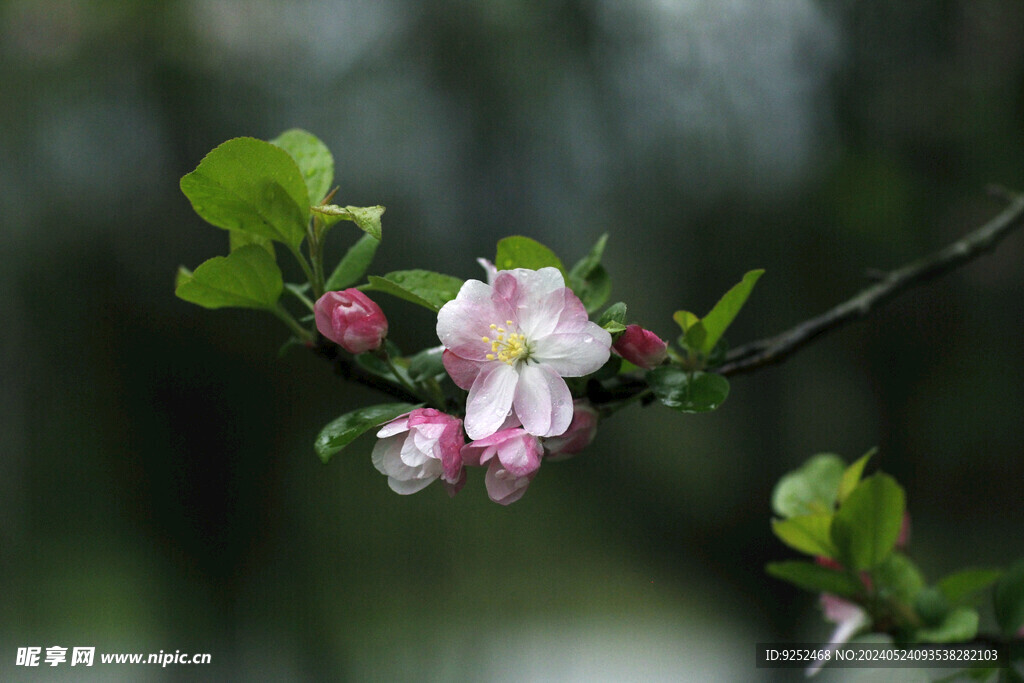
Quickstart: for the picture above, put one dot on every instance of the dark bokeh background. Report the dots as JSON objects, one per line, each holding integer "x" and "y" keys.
{"x": 158, "y": 488}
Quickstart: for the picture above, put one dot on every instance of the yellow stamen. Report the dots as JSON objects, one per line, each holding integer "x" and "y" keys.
{"x": 508, "y": 348}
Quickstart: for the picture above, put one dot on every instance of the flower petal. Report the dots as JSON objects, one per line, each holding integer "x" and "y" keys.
{"x": 520, "y": 454}
{"x": 449, "y": 451}
{"x": 542, "y": 401}
{"x": 396, "y": 426}
{"x": 387, "y": 457}
{"x": 526, "y": 290}
{"x": 463, "y": 372}
{"x": 490, "y": 399}
{"x": 466, "y": 319}
{"x": 489, "y": 268}
{"x": 412, "y": 454}
{"x": 574, "y": 354}
{"x": 502, "y": 486}
{"x": 541, "y": 318}
{"x": 408, "y": 486}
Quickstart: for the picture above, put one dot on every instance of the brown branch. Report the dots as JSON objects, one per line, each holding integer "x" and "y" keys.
{"x": 761, "y": 353}
{"x": 354, "y": 372}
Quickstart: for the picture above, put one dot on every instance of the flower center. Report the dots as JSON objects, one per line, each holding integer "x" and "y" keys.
{"x": 508, "y": 347}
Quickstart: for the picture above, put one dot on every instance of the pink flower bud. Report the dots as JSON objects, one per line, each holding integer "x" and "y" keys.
{"x": 641, "y": 347}
{"x": 578, "y": 436}
{"x": 352, "y": 320}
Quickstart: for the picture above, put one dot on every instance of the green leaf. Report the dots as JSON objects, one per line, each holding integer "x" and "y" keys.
{"x": 342, "y": 431}
{"x": 313, "y": 159}
{"x": 427, "y": 363}
{"x": 366, "y": 218}
{"x": 595, "y": 290}
{"x": 962, "y": 584}
{"x": 522, "y": 252}
{"x": 251, "y": 186}
{"x": 246, "y": 278}
{"x": 426, "y": 288}
{"x": 589, "y": 279}
{"x": 183, "y": 275}
{"x": 354, "y": 264}
{"x": 867, "y": 525}
{"x": 686, "y": 392}
{"x": 1009, "y": 600}
{"x": 685, "y": 320}
{"x": 898, "y": 578}
{"x": 852, "y": 475}
{"x": 931, "y": 606}
{"x": 614, "y": 319}
{"x": 586, "y": 265}
{"x": 815, "y": 578}
{"x": 811, "y": 489}
{"x": 695, "y": 338}
{"x": 806, "y": 533}
{"x": 238, "y": 239}
{"x": 721, "y": 316}
{"x": 693, "y": 333}
{"x": 959, "y": 625}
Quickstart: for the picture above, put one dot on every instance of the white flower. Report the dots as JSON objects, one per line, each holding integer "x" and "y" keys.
{"x": 510, "y": 343}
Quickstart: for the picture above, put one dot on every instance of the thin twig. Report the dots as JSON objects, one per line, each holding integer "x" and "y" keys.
{"x": 354, "y": 372}
{"x": 758, "y": 354}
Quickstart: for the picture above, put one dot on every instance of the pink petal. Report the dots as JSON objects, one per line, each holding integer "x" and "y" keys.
{"x": 463, "y": 372}
{"x": 574, "y": 314}
{"x": 454, "y": 487}
{"x": 506, "y": 288}
{"x": 520, "y": 455}
{"x": 450, "y": 447}
{"x": 490, "y": 399}
{"x": 527, "y": 289}
{"x": 542, "y": 401}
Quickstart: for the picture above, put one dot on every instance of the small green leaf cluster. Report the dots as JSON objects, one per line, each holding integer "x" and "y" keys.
{"x": 855, "y": 528}
{"x": 265, "y": 193}
{"x": 688, "y": 383}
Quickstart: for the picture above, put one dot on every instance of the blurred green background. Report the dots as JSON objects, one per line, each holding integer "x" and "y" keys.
{"x": 158, "y": 487}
